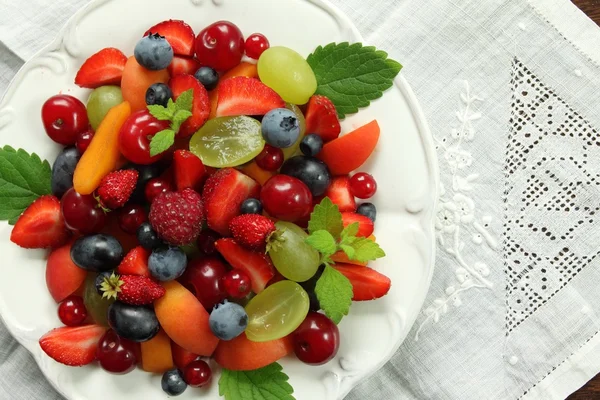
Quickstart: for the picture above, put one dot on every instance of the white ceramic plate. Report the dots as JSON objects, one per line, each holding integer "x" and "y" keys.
{"x": 404, "y": 165}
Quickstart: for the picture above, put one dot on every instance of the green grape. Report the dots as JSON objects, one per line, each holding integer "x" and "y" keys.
{"x": 96, "y": 306}
{"x": 100, "y": 101}
{"x": 228, "y": 141}
{"x": 276, "y": 311}
{"x": 294, "y": 149}
{"x": 292, "y": 256}
{"x": 287, "y": 73}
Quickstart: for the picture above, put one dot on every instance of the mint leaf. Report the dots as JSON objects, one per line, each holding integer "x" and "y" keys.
{"x": 349, "y": 250}
{"x": 326, "y": 216}
{"x": 160, "y": 112}
{"x": 349, "y": 233}
{"x": 162, "y": 141}
{"x": 23, "y": 178}
{"x": 323, "y": 242}
{"x": 365, "y": 250}
{"x": 180, "y": 117}
{"x": 185, "y": 100}
{"x": 334, "y": 292}
{"x": 267, "y": 383}
{"x": 351, "y": 75}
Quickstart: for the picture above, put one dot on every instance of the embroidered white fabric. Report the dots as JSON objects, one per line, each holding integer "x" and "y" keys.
{"x": 512, "y": 94}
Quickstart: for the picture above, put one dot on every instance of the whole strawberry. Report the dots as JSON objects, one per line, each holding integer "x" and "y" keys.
{"x": 132, "y": 289}
{"x": 116, "y": 188}
{"x": 252, "y": 230}
{"x": 177, "y": 216}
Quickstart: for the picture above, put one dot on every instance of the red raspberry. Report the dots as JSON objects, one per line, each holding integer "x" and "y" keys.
{"x": 177, "y": 216}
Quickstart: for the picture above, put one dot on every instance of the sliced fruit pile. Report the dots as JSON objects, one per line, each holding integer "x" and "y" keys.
{"x": 203, "y": 207}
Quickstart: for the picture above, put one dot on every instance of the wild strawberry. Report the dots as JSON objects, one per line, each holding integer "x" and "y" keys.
{"x": 251, "y": 230}
{"x": 116, "y": 188}
{"x": 177, "y": 216}
{"x": 132, "y": 289}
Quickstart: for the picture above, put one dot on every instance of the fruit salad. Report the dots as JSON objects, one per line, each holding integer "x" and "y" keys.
{"x": 202, "y": 217}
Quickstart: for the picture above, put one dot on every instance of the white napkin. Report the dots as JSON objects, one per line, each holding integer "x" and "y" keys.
{"x": 512, "y": 92}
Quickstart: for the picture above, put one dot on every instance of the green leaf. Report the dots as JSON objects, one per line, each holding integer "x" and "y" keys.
{"x": 326, "y": 216}
{"x": 323, "y": 242}
{"x": 334, "y": 292}
{"x": 23, "y": 178}
{"x": 180, "y": 117}
{"x": 366, "y": 250}
{"x": 185, "y": 100}
{"x": 267, "y": 383}
{"x": 351, "y": 75}
{"x": 162, "y": 141}
{"x": 160, "y": 112}
{"x": 349, "y": 233}
{"x": 349, "y": 250}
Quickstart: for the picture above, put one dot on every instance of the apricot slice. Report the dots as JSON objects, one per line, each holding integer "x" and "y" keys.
{"x": 136, "y": 80}
{"x": 156, "y": 353}
{"x": 63, "y": 277}
{"x": 242, "y": 354}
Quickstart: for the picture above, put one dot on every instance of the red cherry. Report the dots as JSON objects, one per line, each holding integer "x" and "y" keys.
{"x": 84, "y": 139}
{"x": 220, "y": 45}
{"x": 206, "y": 242}
{"x": 82, "y": 212}
{"x": 156, "y": 186}
{"x": 237, "y": 284}
{"x": 136, "y": 134}
{"x": 270, "y": 158}
{"x": 317, "y": 339}
{"x": 256, "y": 44}
{"x": 131, "y": 217}
{"x": 197, "y": 373}
{"x": 363, "y": 185}
{"x": 115, "y": 354}
{"x": 64, "y": 118}
{"x": 287, "y": 198}
{"x": 72, "y": 311}
{"x": 203, "y": 277}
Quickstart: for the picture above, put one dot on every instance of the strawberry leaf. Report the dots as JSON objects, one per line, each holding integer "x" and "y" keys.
{"x": 267, "y": 383}
{"x": 162, "y": 141}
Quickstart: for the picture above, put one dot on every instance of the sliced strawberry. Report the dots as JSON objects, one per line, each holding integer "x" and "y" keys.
{"x": 339, "y": 193}
{"x": 103, "y": 68}
{"x": 183, "y": 65}
{"x": 257, "y": 265}
{"x": 223, "y": 195}
{"x": 180, "y": 36}
{"x": 365, "y": 225}
{"x": 41, "y": 225}
{"x": 135, "y": 263}
{"x": 63, "y": 277}
{"x": 200, "y": 106}
{"x": 74, "y": 346}
{"x": 367, "y": 284}
{"x": 246, "y": 96}
{"x": 188, "y": 170}
{"x": 322, "y": 119}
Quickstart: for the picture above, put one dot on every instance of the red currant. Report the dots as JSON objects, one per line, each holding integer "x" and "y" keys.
{"x": 72, "y": 311}
{"x": 203, "y": 277}
{"x": 64, "y": 118}
{"x": 206, "y": 242}
{"x": 115, "y": 354}
{"x": 220, "y": 45}
{"x": 256, "y": 44}
{"x": 237, "y": 284}
{"x": 131, "y": 217}
{"x": 156, "y": 186}
{"x": 270, "y": 158}
{"x": 84, "y": 139}
{"x": 82, "y": 212}
{"x": 197, "y": 373}
{"x": 317, "y": 339}
{"x": 287, "y": 198}
{"x": 363, "y": 185}
{"x": 135, "y": 136}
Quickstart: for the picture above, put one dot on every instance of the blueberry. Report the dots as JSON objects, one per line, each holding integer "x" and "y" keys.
{"x": 167, "y": 264}
{"x": 136, "y": 323}
{"x": 311, "y": 145}
{"x": 313, "y": 172}
{"x": 98, "y": 252}
{"x": 172, "y": 383}
{"x": 153, "y": 52}
{"x": 280, "y": 128}
{"x": 158, "y": 93}
{"x": 251, "y": 206}
{"x": 228, "y": 320}
{"x": 63, "y": 170}
{"x": 100, "y": 278}
{"x": 148, "y": 237}
{"x": 208, "y": 77}
{"x": 145, "y": 173}
{"x": 368, "y": 210}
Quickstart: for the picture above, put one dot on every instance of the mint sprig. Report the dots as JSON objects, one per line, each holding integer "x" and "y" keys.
{"x": 177, "y": 112}
{"x": 267, "y": 383}
{"x": 23, "y": 178}
{"x": 334, "y": 292}
{"x": 351, "y": 75}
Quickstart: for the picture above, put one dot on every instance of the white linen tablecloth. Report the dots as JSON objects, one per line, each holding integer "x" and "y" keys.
{"x": 511, "y": 90}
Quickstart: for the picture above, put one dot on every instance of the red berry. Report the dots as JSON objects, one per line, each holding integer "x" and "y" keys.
{"x": 256, "y": 44}
{"x": 206, "y": 242}
{"x": 156, "y": 186}
{"x": 82, "y": 212}
{"x": 64, "y": 118}
{"x": 237, "y": 284}
{"x": 177, "y": 216}
{"x": 84, "y": 139}
{"x": 115, "y": 354}
{"x": 287, "y": 198}
{"x": 270, "y": 158}
{"x": 317, "y": 339}
{"x": 220, "y": 45}
{"x": 116, "y": 188}
{"x": 72, "y": 311}
{"x": 203, "y": 277}
{"x": 197, "y": 373}
{"x": 135, "y": 136}
{"x": 363, "y": 185}
{"x": 131, "y": 217}
{"x": 252, "y": 230}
